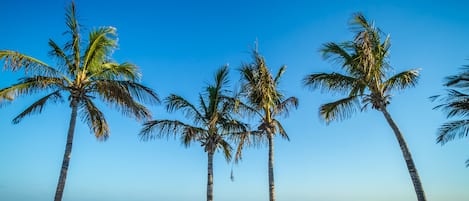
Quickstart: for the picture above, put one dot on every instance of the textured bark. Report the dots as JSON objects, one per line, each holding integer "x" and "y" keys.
{"x": 407, "y": 156}
{"x": 271, "y": 168}
{"x": 210, "y": 177}
{"x": 68, "y": 151}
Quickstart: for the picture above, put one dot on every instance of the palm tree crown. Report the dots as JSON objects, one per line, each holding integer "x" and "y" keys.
{"x": 366, "y": 81}
{"x": 455, "y": 103}
{"x": 213, "y": 124}
{"x": 84, "y": 72}
{"x": 264, "y": 100}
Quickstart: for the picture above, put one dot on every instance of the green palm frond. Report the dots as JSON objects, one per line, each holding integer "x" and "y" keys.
{"x": 157, "y": 129}
{"x": 402, "y": 80}
{"x": 279, "y": 74}
{"x": 113, "y": 71}
{"x": 15, "y": 61}
{"x": 339, "y": 110}
{"x": 101, "y": 43}
{"x": 285, "y": 106}
{"x": 121, "y": 97}
{"x": 337, "y": 53}
{"x": 37, "y": 106}
{"x": 74, "y": 43}
{"x": 62, "y": 59}
{"x": 450, "y": 130}
{"x": 31, "y": 85}
{"x": 455, "y": 103}
{"x": 95, "y": 119}
{"x": 330, "y": 82}
{"x": 175, "y": 102}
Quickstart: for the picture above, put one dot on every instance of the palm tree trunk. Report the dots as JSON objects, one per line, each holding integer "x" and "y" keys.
{"x": 271, "y": 167}
{"x": 407, "y": 156}
{"x": 68, "y": 151}
{"x": 210, "y": 177}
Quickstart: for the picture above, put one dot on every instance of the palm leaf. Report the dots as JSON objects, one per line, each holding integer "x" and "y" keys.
{"x": 175, "y": 102}
{"x": 339, "y": 110}
{"x": 281, "y": 130}
{"x": 95, "y": 119}
{"x": 330, "y": 82}
{"x": 402, "y": 80}
{"x": 37, "y": 106}
{"x": 156, "y": 129}
{"x": 450, "y": 130}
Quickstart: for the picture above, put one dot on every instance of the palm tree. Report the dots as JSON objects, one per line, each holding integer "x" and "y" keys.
{"x": 84, "y": 75}
{"x": 212, "y": 125}
{"x": 366, "y": 81}
{"x": 266, "y": 102}
{"x": 455, "y": 104}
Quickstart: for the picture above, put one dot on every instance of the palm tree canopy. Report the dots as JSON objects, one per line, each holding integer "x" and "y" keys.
{"x": 85, "y": 71}
{"x": 213, "y": 123}
{"x": 366, "y": 77}
{"x": 264, "y": 100}
{"x": 455, "y": 103}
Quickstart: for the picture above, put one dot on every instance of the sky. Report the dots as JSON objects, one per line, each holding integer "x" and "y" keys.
{"x": 178, "y": 45}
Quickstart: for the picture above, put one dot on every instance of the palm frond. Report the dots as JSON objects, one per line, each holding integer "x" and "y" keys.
{"x": 175, "y": 102}
{"x": 227, "y": 149}
{"x": 74, "y": 31}
{"x": 330, "y": 82}
{"x": 285, "y": 106}
{"x": 337, "y": 53}
{"x": 279, "y": 74}
{"x": 402, "y": 80}
{"x": 121, "y": 95}
{"x": 37, "y": 106}
{"x": 157, "y": 129}
{"x": 455, "y": 103}
{"x": 31, "y": 85}
{"x": 339, "y": 110}
{"x": 247, "y": 139}
{"x": 15, "y": 61}
{"x": 281, "y": 130}
{"x": 95, "y": 119}
{"x": 450, "y": 130}
{"x": 101, "y": 43}
{"x": 113, "y": 71}
{"x": 61, "y": 57}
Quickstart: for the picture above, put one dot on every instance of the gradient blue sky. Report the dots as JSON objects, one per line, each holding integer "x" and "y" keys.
{"x": 179, "y": 44}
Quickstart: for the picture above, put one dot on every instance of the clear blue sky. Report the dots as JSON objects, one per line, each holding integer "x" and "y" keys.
{"x": 179, "y": 44}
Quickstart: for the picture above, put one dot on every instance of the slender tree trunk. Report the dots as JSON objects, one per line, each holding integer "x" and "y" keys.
{"x": 210, "y": 177}
{"x": 271, "y": 167}
{"x": 407, "y": 156}
{"x": 68, "y": 151}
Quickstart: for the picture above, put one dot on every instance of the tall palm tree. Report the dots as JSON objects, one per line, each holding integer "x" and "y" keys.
{"x": 455, "y": 104}
{"x": 83, "y": 75}
{"x": 212, "y": 124}
{"x": 366, "y": 81}
{"x": 266, "y": 102}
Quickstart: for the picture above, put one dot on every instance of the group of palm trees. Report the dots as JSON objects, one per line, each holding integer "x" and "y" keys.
{"x": 85, "y": 72}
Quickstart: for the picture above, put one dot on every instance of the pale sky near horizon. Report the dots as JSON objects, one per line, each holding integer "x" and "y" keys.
{"x": 178, "y": 45}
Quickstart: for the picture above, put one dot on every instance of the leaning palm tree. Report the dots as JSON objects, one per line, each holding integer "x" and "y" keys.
{"x": 213, "y": 124}
{"x": 365, "y": 80}
{"x": 266, "y": 101}
{"x": 82, "y": 75}
{"x": 455, "y": 104}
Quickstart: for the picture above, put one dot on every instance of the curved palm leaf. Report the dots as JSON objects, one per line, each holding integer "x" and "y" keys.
{"x": 37, "y": 106}
{"x": 450, "y": 130}
{"x": 402, "y": 80}
{"x": 340, "y": 110}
